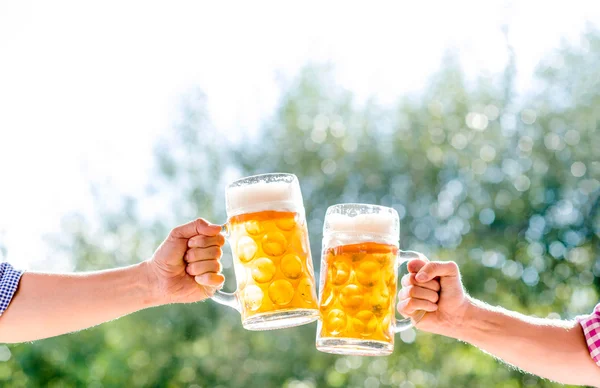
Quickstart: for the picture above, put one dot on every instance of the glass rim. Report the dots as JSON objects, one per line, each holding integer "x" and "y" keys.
{"x": 363, "y": 205}
{"x": 257, "y": 177}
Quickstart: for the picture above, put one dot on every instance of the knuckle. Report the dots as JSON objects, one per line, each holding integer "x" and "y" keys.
{"x": 453, "y": 266}
{"x": 433, "y": 266}
{"x": 401, "y": 306}
{"x": 412, "y": 291}
{"x": 174, "y": 232}
{"x": 190, "y": 255}
{"x": 189, "y": 269}
{"x": 220, "y": 239}
{"x": 401, "y": 294}
{"x": 405, "y": 280}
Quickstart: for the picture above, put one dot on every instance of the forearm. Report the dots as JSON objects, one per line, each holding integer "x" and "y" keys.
{"x": 47, "y": 305}
{"x": 552, "y": 349}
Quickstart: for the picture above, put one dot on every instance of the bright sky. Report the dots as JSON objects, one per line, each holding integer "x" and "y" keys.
{"x": 86, "y": 88}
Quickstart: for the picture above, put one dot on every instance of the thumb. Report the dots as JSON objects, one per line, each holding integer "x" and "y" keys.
{"x": 437, "y": 268}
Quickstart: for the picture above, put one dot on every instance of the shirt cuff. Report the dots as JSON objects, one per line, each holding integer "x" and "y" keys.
{"x": 591, "y": 330}
{"x": 9, "y": 282}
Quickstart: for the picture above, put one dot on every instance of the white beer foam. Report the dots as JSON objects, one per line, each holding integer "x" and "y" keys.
{"x": 281, "y": 196}
{"x": 381, "y": 224}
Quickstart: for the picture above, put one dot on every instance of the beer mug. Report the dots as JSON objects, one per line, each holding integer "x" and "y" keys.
{"x": 267, "y": 231}
{"x": 359, "y": 273}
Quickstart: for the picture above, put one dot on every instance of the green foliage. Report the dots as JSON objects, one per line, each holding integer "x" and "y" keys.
{"x": 508, "y": 187}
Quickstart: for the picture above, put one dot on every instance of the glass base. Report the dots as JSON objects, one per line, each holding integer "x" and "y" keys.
{"x": 354, "y": 347}
{"x": 281, "y": 319}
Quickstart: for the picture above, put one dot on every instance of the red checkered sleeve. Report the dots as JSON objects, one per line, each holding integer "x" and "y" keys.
{"x": 591, "y": 329}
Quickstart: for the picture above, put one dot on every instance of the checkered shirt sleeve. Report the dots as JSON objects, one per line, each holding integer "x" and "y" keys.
{"x": 591, "y": 329}
{"x": 9, "y": 281}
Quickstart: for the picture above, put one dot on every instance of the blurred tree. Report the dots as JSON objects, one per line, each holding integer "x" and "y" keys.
{"x": 507, "y": 186}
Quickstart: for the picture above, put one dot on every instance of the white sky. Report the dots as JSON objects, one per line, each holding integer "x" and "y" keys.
{"x": 86, "y": 88}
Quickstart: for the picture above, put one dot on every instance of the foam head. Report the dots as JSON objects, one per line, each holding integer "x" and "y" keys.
{"x": 279, "y": 192}
{"x": 355, "y": 223}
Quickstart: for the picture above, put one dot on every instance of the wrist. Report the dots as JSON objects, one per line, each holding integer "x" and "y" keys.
{"x": 465, "y": 320}
{"x": 148, "y": 282}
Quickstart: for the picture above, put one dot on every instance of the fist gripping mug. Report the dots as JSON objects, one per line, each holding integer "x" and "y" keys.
{"x": 267, "y": 231}
{"x": 358, "y": 285}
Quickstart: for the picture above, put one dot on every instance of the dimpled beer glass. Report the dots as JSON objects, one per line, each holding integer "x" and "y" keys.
{"x": 267, "y": 232}
{"x": 359, "y": 272}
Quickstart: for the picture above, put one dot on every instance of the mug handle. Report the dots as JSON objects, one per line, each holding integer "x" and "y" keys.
{"x": 407, "y": 323}
{"x": 227, "y": 298}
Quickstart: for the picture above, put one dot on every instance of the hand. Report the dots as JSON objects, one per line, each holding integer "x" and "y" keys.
{"x": 435, "y": 287}
{"x": 183, "y": 275}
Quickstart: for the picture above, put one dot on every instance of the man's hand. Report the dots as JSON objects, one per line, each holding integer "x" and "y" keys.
{"x": 550, "y": 348}
{"x": 434, "y": 287}
{"x": 185, "y": 268}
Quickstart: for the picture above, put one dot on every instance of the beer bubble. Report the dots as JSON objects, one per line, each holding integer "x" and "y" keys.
{"x": 253, "y": 227}
{"x": 281, "y": 292}
{"x": 368, "y": 273}
{"x": 263, "y": 270}
{"x": 383, "y": 259}
{"x": 387, "y": 328}
{"x": 306, "y": 290}
{"x": 379, "y": 299}
{"x": 391, "y": 280}
{"x": 365, "y": 323}
{"x": 291, "y": 266}
{"x": 327, "y": 298}
{"x": 286, "y": 223}
{"x": 246, "y": 249}
{"x": 274, "y": 243}
{"x": 252, "y": 297}
{"x": 351, "y": 296}
{"x": 340, "y": 272}
{"x": 336, "y": 321}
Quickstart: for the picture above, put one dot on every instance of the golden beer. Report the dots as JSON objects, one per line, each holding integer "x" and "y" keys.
{"x": 271, "y": 253}
{"x": 358, "y": 295}
{"x": 272, "y": 261}
{"x": 359, "y": 272}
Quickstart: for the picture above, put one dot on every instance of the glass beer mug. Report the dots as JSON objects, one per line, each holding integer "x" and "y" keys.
{"x": 267, "y": 231}
{"x": 359, "y": 272}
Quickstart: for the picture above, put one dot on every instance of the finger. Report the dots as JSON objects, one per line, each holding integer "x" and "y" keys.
{"x": 198, "y": 254}
{"x": 417, "y": 292}
{"x": 194, "y": 228}
{"x": 210, "y": 279}
{"x": 203, "y": 241}
{"x": 409, "y": 280}
{"x": 206, "y": 266}
{"x": 437, "y": 268}
{"x": 415, "y": 265}
{"x": 408, "y": 307}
